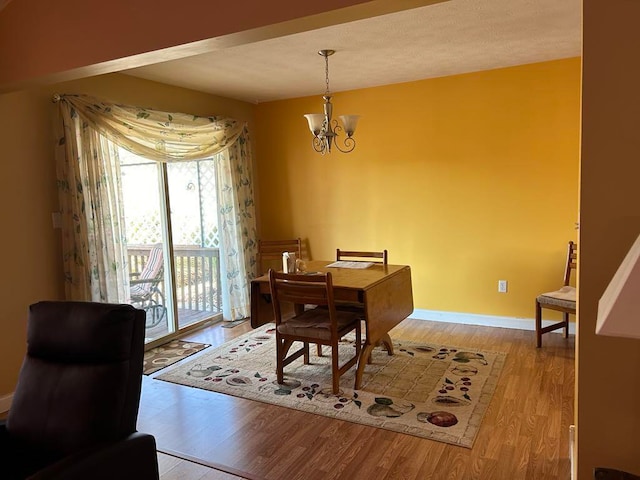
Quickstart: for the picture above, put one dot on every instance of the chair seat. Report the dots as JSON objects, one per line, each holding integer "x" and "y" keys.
{"x": 139, "y": 291}
{"x": 565, "y": 298}
{"x": 315, "y": 324}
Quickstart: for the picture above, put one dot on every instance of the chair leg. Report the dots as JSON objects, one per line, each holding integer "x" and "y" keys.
{"x": 335, "y": 373}
{"x": 565, "y": 318}
{"x": 279, "y": 360}
{"x": 319, "y": 350}
{"x": 538, "y": 325}
{"x": 306, "y": 353}
{"x": 282, "y": 348}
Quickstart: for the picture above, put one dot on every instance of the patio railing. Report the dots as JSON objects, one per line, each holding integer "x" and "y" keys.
{"x": 197, "y": 275}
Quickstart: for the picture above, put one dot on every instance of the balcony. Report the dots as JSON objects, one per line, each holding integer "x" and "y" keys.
{"x": 197, "y": 285}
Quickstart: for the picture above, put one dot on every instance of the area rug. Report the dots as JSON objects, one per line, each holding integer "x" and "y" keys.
{"x": 159, "y": 357}
{"x": 427, "y": 390}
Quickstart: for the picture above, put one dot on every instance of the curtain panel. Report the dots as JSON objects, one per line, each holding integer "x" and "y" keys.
{"x": 88, "y": 169}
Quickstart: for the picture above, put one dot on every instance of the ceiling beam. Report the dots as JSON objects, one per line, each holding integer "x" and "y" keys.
{"x": 49, "y": 42}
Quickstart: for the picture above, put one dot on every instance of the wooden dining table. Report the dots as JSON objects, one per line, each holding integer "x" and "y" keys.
{"x": 383, "y": 290}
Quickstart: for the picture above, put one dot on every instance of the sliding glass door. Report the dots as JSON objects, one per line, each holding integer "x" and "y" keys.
{"x": 172, "y": 242}
{"x": 194, "y": 236}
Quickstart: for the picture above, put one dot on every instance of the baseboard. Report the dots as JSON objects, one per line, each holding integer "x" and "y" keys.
{"x": 5, "y": 402}
{"x": 484, "y": 320}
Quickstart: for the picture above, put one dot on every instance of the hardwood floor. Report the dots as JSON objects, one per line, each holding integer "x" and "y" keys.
{"x": 524, "y": 434}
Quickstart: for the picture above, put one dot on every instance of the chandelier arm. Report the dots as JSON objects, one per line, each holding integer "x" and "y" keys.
{"x": 348, "y": 142}
{"x": 318, "y": 145}
{"x": 349, "y": 145}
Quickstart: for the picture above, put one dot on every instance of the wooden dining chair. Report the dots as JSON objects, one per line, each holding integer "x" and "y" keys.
{"x": 562, "y": 300}
{"x": 353, "y": 255}
{"x": 270, "y": 253}
{"x": 376, "y": 257}
{"x": 380, "y": 257}
{"x": 323, "y": 326}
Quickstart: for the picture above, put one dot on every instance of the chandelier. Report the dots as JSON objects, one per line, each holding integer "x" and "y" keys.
{"x": 325, "y": 130}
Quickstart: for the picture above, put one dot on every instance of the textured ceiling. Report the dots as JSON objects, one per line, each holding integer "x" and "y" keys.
{"x": 448, "y": 38}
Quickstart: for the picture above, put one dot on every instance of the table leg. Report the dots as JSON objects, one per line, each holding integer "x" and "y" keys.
{"x": 386, "y": 305}
{"x": 365, "y": 354}
{"x": 386, "y": 340}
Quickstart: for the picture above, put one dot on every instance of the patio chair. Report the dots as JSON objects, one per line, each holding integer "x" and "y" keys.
{"x": 145, "y": 293}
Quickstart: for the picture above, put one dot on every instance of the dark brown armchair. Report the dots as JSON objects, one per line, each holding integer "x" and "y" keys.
{"x": 75, "y": 407}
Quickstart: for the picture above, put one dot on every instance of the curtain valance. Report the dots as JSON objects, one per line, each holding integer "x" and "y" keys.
{"x": 157, "y": 135}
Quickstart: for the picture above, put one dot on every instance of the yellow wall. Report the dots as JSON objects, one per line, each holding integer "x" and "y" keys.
{"x": 31, "y": 258}
{"x": 469, "y": 179}
{"x": 608, "y": 383}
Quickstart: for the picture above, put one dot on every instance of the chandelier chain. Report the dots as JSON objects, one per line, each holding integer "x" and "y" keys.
{"x": 326, "y": 73}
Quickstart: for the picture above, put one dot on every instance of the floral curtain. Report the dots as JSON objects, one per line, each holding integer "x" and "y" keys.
{"x": 237, "y": 222}
{"x": 94, "y": 246}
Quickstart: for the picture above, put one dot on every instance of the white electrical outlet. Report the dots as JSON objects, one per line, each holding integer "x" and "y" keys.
{"x": 502, "y": 286}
